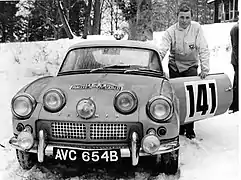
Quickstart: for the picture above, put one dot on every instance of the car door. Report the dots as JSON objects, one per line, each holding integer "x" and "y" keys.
{"x": 202, "y": 98}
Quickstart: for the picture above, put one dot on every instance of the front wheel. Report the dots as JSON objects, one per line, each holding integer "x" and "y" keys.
{"x": 26, "y": 160}
{"x": 167, "y": 163}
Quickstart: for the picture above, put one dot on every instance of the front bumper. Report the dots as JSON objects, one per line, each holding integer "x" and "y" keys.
{"x": 42, "y": 149}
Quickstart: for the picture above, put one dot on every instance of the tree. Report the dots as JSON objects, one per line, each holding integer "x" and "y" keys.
{"x": 7, "y": 21}
{"x": 87, "y": 19}
{"x": 93, "y": 18}
{"x": 76, "y": 17}
{"x": 38, "y": 20}
{"x": 64, "y": 20}
{"x": 44, "y": 20}
{"x": 216, "y": 13}
{"x": 111, "y": 6}
{"x": 111, "y": 17}
{"x": 47, "y": 13}
{"x": 164, "y": 14}
{"x": 201, "y": 11}
{"x": 138, "y": 14}
{"x": 97, "y": 17}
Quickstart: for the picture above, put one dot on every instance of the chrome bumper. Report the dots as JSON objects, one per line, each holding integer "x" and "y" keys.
{"x": 42, "y": 149}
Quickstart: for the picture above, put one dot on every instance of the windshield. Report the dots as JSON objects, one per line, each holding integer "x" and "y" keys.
{"x": 92, "y": 58}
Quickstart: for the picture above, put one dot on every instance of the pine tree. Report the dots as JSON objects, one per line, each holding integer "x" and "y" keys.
{"x": 8, "y": 21}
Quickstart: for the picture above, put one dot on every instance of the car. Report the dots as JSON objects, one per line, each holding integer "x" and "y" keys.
{"x": 111, "y": 100}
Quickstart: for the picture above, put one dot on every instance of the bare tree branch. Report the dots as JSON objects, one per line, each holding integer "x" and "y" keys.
{"x": 64, "y": 20}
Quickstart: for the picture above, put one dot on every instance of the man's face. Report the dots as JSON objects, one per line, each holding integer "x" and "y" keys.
{"x": 184, "y": 19}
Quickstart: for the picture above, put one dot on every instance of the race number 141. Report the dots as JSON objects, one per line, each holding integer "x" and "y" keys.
{"x": 201, "y": 99}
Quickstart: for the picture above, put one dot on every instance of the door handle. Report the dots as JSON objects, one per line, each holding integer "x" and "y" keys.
{"x": 229, "y": 89}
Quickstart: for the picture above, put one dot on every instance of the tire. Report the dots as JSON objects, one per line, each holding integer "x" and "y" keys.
{"x": 166, "y": 163}
{"x": 169, "y": 162}
{"x": 26, "y": 160}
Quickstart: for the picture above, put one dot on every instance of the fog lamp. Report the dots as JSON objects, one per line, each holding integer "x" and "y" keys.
{"x": 161, "y": 131}
{"x": 151, "y": 131}
{"x": 25, "y": 140}
{"x": 19, "y": 127}
{"x": 150, "y": 143}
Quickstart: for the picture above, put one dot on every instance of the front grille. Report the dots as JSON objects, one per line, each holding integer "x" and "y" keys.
{"x": 108, "y": 131}
{"x": 68, "y": 130}
{"x": 98, "y": 131}
{"x": 94, "y": 132}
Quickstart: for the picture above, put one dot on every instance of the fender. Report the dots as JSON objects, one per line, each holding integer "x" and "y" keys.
{"x": 35, "y": 88}
{"x": 202, "y": 98}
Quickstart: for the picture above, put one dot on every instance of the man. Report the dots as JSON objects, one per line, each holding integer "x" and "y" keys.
{"x": 234, "y": 33}
{"x": 187, "y": 46}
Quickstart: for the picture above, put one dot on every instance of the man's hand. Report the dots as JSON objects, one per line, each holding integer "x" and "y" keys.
{"x": 165, "y": 74}
{"x": 203, "y": 75}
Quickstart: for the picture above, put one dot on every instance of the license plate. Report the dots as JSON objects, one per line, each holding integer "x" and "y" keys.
{"x": 66, "y": 154}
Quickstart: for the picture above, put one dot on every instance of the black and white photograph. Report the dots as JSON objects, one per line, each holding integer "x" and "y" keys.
{"x": 119, "y": 90}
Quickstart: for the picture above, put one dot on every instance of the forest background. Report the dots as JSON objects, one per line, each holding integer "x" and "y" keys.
{"x": 44, "y": 20}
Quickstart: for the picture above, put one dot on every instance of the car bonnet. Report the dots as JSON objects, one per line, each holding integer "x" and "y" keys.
{"x": 102, "y": 89}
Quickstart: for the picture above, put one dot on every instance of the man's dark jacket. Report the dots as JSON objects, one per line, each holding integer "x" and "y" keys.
{"x": 234, "y": 41}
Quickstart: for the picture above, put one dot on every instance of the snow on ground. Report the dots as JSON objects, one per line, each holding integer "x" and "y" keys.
{"x": 213, "y": 155}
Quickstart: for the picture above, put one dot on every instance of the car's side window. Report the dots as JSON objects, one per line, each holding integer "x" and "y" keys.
{"x": 154, "y": 62}
{"x": 69, "y": 62}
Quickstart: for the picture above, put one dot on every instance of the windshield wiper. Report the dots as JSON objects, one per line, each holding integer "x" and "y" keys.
{"x": 111, "y": 66}
{"x": 143, "y": 69}
{"x": 75, "y": 71}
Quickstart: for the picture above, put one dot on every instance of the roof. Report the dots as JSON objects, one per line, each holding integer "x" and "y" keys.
{"x": 123, "y": 43}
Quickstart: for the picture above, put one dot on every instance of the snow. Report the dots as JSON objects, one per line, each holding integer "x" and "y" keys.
{"x": 213, "y": 155}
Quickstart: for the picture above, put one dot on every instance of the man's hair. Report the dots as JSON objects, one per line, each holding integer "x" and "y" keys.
{"x": 184, "y": 7}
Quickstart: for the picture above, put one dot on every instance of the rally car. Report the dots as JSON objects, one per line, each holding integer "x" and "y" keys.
{"x": 111, "y": 100}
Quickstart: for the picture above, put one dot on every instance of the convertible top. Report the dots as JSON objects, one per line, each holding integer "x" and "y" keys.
{"x": 123, "y": 43}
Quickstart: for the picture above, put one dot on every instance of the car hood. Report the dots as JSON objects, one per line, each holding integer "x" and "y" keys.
{"x": 102, "y": 88}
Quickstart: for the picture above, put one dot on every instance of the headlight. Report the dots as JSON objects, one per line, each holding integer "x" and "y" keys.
{"x": 150, "y": 144}
{"x": 159, "y": 108}
{"x": 25, "y": 140}
{"x": 23, "y": 105}
{"x": 54, "y": 100}
{"x": 125, "y": 102}
{"x": 86, "y": 108}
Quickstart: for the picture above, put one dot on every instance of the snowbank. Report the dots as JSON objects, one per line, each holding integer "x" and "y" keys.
{"x": 43, "y": 58}
{"x": 33, "y": 58}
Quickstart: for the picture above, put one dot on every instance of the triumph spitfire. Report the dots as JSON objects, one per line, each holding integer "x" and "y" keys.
{"x": 111, "y": 100}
